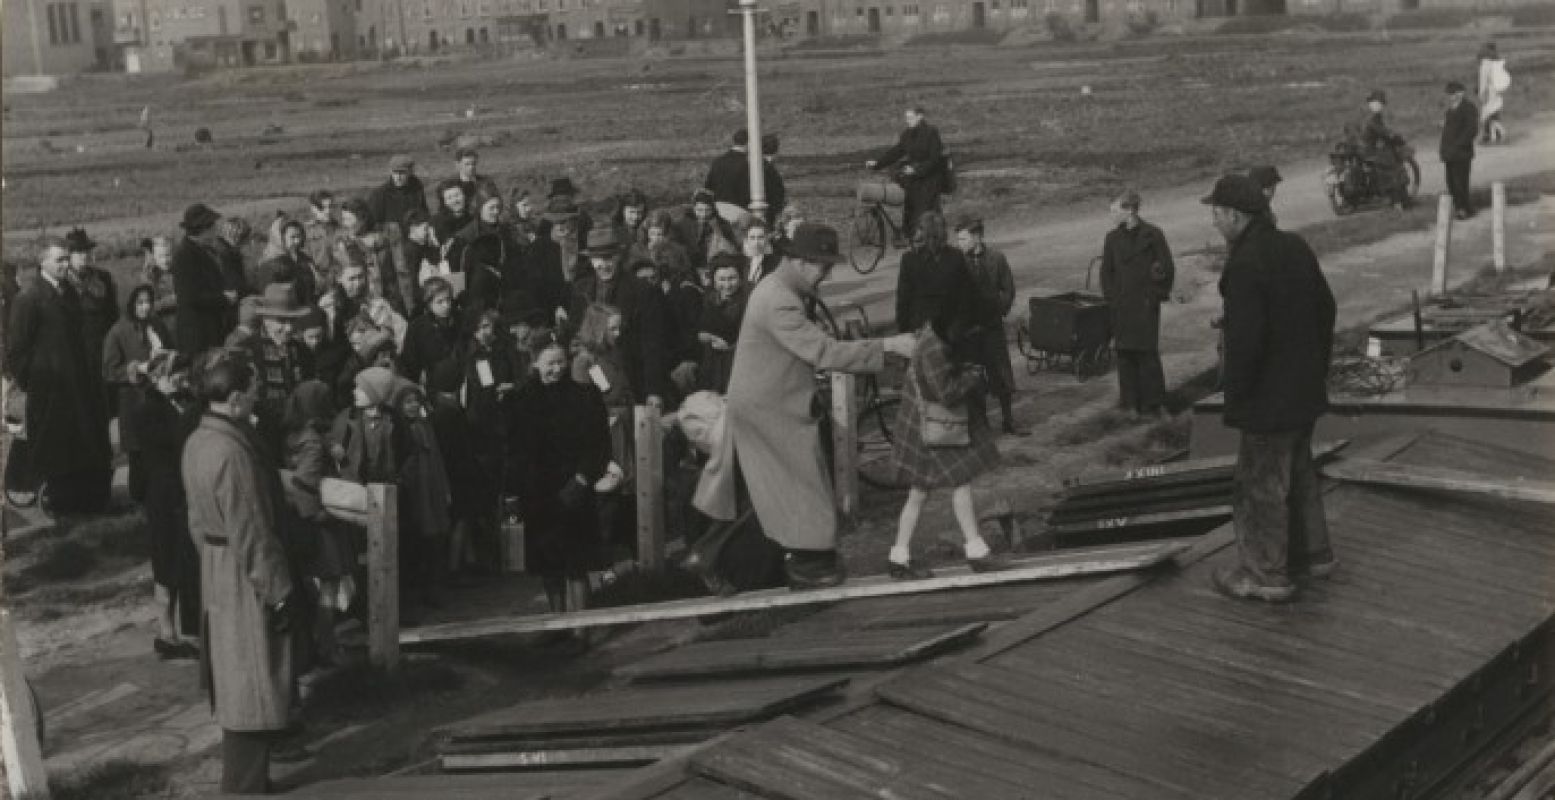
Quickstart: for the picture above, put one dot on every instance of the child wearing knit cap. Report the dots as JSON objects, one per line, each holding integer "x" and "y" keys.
{"x": 424, "y": 498}
{"x": 363, "y": 439}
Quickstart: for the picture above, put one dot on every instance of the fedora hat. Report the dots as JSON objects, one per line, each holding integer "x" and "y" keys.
{"x": 813, "y": 241}
{"x": 280, "y": 301}
{"x": 198, "y": 217}
{"x": 78, "y": 242}
{"x": 602, "y": 241}
{"x": 560, "y": 208}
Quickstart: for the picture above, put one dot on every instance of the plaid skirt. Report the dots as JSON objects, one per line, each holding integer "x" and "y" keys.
{"x": 922, "y": 467}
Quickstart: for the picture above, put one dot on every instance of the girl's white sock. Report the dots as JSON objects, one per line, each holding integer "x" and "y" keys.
{"x": 977, "y": 549}
{"x": 900, "y": 555}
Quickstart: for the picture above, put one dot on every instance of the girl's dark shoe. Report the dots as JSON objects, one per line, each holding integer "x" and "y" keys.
{"x": 993, "y": 562}
{"x": 911, "y": 571}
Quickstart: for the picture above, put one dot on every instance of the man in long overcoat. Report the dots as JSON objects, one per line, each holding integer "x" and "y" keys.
{"x": 1279, "y": 330}
{"x": 772, "y": 435}
{"x": 990, "y": 273}
{"x": 645, "y": 346}
{"x": 1136, "y": 277}
{"x": 1460, "y": 127}
{"x": 246, "y": 586}
{"x": 922, "y": 174}
{"x": 204, "y": 302}
{"x": 49, "y": 358}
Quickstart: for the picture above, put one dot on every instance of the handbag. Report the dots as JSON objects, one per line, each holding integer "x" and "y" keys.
{"x": 942, "y": 425}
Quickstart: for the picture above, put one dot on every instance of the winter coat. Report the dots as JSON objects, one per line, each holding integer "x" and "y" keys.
{"x": 99, "y": 308}
{"x": 202, "y": 305}
{"x": 990, "y": 272}
{"x": 234, "y": 518}
{"x": 645, "y": 346}
{"x": 618, "y": 391}
{"x": 920, "y": 148}
{"x": 164, "y": 299}
{"x": 389, "y": 203}
{"x": 370, "y": 250}
{"x": 703, "y": 240}
{"x": 446, "y": 224}
{"x": 728, "y": 178}
{"x": 1136, "y": 277}
{"x": 775, "y": 436}
{"x": 721, "y": 319}
{"x": 1278, "y": 329}
{"x": 308, "y": 283}
{"x": 936, "y": 376}
{"x": 925, "y": 280}
{"x": 48, "y": 356}
{"x": 428, "y": 342}
{"x": 551, "y": 274}
{"x": 1459, "y": 130}
{"x": 129, "y": 342}
{"x": 374, "y": 451}
{"x": 488, "y": 258}
{"x": 159, "y": 430}
{"x": 320, "y": 237}
{"x": 424, "y": 496}
{"x": 559, "y": 433}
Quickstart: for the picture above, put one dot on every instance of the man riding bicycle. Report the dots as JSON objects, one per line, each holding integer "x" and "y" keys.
{"x": 1381, "y": 146}
{"x": 922, "y": 174}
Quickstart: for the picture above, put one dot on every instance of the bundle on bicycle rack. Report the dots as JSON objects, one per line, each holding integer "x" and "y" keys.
{"x": 1184, "y": 498}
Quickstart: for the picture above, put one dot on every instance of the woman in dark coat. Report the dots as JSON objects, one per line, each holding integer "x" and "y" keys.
{"x": 295, "y": 266}
{"x": 487, "y": 256}
{"x": 562, "y": 447}
{"x": 489, "y": 378}
{"x": 930, "y": 272}
{"x": 433, "y": 336}
{"x": 203, "y": 301}
{"x": 131, "y": 342}
{"x": 158, "y": 427}
{"x": 719, "y": 327}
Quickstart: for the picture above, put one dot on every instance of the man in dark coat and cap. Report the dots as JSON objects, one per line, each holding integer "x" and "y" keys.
{"x": 204, "y": 302}
{"x": 1459, "y": 129}
{"x": 1136, "y": 276}
{"x": 995, "y": 284}
{"x": 99, "y": 297}
{"x": 388, "y": 205}
{"x": 922, "y": 174}
{"x": 48, "y": 356}
{"x": 644, "y": 344}
{"x": 1279, "y": 330}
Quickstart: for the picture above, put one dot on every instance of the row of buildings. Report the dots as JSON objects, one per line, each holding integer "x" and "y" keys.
{"x": 54, "y": 37}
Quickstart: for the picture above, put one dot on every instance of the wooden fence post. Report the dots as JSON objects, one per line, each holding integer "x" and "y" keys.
{"x": 25, "y": 774}
{"x": 383, "y": 576}
{"x": 649, "y": 435}
{"x": 844, "y": 440}
{"x": 1443, "y": 240}
{"x": 1498, "y": 224}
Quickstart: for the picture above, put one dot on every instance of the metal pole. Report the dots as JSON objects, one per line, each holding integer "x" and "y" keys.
{"x": 32, "y": 29}
{"x": 758, "y": 185}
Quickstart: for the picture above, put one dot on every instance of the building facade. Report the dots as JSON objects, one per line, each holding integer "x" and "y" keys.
{"x": 162, "y": 35}
{"x": 50, "y": 37}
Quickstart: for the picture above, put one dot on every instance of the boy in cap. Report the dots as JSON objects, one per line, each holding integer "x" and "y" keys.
{"x": 990, "y": 272}
{"x": 1459, "y": 129}
{"x": 1278, "y": 327}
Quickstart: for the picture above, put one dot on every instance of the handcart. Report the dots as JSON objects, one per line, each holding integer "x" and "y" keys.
{"x": 1067, "y": 330}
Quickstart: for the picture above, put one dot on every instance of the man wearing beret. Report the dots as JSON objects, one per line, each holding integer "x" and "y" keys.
{"x": 1459, "y": 130}
{"x": 1278, "y": 328}
{"x": 388, "y": 204}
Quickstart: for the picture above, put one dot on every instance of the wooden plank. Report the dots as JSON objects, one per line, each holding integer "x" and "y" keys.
{"x": 652, "y": 781}
{"x": 703, "y": 789}
{"x": 789, "y": 759}
{"x": 791, "y": 653}
{"x": 25, "y": 774}
{"x": 1171, "y": 472}
{"x": 600, "y": 740}
{"x": 510, "y": 785}
{"x": 1132, "y": 508}
{"x": 844, "y": 437}
{"x": 383, "y": 576}
{"x": 1382, "y": 473}
{"x": 1126, "y": 522}
{"x": 1089, "y": 561}
{"x": 590, "y": 756}
{"x": 649, "y": 482}
{"x": 645, "y": 709}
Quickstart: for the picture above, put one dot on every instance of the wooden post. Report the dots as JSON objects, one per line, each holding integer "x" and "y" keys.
{"x": 649, "y": 434}
{"x": 383, "y": 576}
{"x": 1498, "y": 224}
{"x": 1443, "y": 239}
{"x": 844, "y": 441}
{"x": 25, "y": 774}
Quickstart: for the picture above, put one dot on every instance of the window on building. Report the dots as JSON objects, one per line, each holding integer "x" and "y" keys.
{"x": 54, "y": 26}
{"x": 994, "y": 5}
{"x": 469, "y": 36}
{"x": 858, "y": 12}
{"x": 280, "y": 11}
{"x": 890, "y": 11}
{"x": 256, "y": 15}
{"x": 156, "y": 20}
{"x": 270, "y": 51}
{"x": 75, "y": 23}
{"x": 358, "y": 6}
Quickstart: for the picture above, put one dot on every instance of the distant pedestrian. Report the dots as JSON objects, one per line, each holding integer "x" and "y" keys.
{"x": 1136, "y": 278}
{"x": 995, "y": 285}
{"x": 471, "y": 182}
{"x": 48, "y": 357}
{"x": 203, "y": 299}
{"x": 133, "y": 342}
{"x": 157, "y": 272}
{"x": 1459, "y": 129}
{"x": 99, "y": 295}
{"x": 322, "y": 227}
{"x": 771, "y": 431}
{"x": 1494, "y": 80}
{"x": 922, "y": 174}
{"x": 1278, "y": 328}
{"x": 234, "y": 497}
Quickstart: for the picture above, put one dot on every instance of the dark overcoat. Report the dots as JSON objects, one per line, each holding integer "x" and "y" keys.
{"x": 1136, "y": 277}
{"x": 920, "y": 148}
{"x": 429, "y": 341}
{"x": 1459, "y": 129}
{"x": 99, "y": 307}
{"x": 160, "y": 429}
{"x": 202, "y": 306}
{"x": 926, "y": 279}
{"x": 995, "y": 283}
{"x": 645, "y": 346}
{"x": 47, "y": 355}
{"x": 129, "y": 342}
{"x": 560, "y": 432}
{"x": 234, "y": 499}
{"x": 1279, "y": 332}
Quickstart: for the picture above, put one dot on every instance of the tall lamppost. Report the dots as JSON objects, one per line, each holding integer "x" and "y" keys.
{"x": 758, "y": 186}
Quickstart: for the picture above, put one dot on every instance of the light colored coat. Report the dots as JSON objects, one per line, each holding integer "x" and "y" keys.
{"x": 233, "y": 520}
{"x": 769, "y": 426}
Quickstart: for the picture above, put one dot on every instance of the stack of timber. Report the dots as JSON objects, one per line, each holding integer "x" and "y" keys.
{"x": 1528, "y": 311}
{"x": 620, "y": 728}
{"x": 1184, "y": 498}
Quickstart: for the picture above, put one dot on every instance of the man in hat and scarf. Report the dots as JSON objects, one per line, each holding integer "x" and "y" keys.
{"x": 48, "y": 356}
{"x": 1459, "y": 129}
{"x": 556, "y": 260}
{"x": 99, "y": 298}
{"x": 279, "y": 358}
{"x": 644, "y": 344}
{"x": 561, "y": 202}
{"x": 204, "y": 304}
{"x": 772, "y": 441}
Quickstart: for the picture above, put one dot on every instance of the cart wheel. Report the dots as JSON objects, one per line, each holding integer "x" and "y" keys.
{"x": 1101, "y": 361}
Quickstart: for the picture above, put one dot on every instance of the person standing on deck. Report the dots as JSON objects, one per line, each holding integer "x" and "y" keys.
{"x": 1279, "y": 328}
{"x": 1136, "y": 277}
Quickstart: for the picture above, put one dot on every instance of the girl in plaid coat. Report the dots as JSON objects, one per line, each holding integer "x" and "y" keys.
{"x": 944, "y": 371}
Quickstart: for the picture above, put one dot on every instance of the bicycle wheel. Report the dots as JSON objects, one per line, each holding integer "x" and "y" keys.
{"x": 821, "y": 315}
{"x": 866, "y": 239}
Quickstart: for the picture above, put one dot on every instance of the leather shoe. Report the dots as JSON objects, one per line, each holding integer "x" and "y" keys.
{"x": 993, "y": 562}
{"x": 806, "y": 574}
{"x": 911, "y": 571}
{"x": 1238, "y": 585}
{"x": 1322, "y": 569}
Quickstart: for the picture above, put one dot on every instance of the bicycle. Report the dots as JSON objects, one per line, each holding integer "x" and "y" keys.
{"x": 869, "y": 222}
{"x": 877, "y": 405}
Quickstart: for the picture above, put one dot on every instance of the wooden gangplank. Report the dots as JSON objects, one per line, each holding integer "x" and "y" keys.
{"x": 826, "y": 650}
{"x": 551, "y": 785}
{"x": 1090, "y": 561}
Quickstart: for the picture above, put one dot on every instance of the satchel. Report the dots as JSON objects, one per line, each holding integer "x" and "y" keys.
{"x": 942, "y": 425}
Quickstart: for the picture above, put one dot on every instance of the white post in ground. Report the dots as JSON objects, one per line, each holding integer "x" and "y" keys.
{"x": 1498, "y": 224}
{"x": 1443, "y": 241}
{"x": 758, "y": 184}
{"x": 25, "y": 773}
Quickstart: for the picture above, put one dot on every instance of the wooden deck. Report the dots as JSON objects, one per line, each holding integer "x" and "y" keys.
{"x": 1434, "y": 633}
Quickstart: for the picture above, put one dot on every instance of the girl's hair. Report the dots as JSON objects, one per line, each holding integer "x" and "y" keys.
{"x": 594, "y": 330}
{"x": 931, "y": 228}
{"x": 292, "y": 223}
{"x": 435, "y": 287}
{"x": 358, "y": 208}
{"x": 489, "y": 315}
{"x": 543, "y": 345}
{"x": 360, "y": 324}
{"x": 483, "y": 197}
{"x": 135, "y": 295}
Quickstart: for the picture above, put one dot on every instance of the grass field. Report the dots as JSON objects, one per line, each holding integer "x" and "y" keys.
{"x": 1159, "y": 111}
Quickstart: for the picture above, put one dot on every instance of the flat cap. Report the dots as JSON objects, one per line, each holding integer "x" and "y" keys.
{"x": 401, "y": 163}
{"x": 1238, "y": 192}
